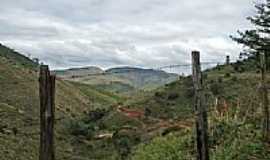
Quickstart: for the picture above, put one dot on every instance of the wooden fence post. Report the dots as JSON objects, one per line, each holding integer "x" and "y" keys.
{"x": 47, "y": 104}
{"x": 265, "y": 101}
{"x": 200, "y": 109}
{"x": 228, "y": 60}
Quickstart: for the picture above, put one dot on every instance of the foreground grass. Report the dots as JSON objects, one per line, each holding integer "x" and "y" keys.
{"x": 19, "y": 110}
{"x": 228, "y": 140}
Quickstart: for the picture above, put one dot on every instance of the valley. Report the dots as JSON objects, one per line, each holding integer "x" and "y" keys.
{"x": 116, "y": 115}
{"x": 120, "y": 80}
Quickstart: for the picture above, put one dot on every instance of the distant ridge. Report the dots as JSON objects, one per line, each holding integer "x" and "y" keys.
{"x": 130, "y": 69}
{"x": 75, "y": 72}
{"x": 127, "y": 77}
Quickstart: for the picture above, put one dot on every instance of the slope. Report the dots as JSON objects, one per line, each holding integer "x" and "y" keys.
{"x": 235, "y": 115}
{"x": 122, "y": 80}
{"x": 19, "y": 108}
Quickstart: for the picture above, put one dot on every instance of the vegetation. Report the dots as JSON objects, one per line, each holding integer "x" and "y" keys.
{"x": 235, "y": 121}
{"x": 229, "y": 139}
{"x": 257, "y": 39}
{"x": 172, "y": 147}
{"x": 15, "y": 58}
{"x": 234, "y": 133}
{"x": 93, "y": 123}
{"x": 19, "y": 109}
{"x": 118, "y": 80}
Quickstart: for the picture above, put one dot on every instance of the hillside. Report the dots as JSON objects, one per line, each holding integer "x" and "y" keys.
{"x": 144, "y": 78}
{"x": 78, "y": 72}
{"x": 235, "y": 115}
{"x": 118, "y": 79}
{"x": 159, "y": 124}
{"x": 93, "y": 123}
{"x": 19, "y": 108}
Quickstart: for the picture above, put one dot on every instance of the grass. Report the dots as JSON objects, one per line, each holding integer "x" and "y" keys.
{"x": 97, "y": 95}
{"x": 233, "y": 136}
{"x": 237, "y": 135}
{"x": 16, "y": 58}
{"x": 115, "y": 87}
{"x": 125, "y": 80}
{"x": 228, "y": 140}
{"x": 19, "y": 109}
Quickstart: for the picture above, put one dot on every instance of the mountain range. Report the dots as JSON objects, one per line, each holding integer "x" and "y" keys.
{"x": 118, "y": 79}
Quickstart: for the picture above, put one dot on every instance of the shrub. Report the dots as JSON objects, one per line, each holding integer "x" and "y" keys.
{"x": 124, "y": 141}
{"x": 216, "y": 88}
{"x": 123, "y": 146}
{"x": 227, "y": 75}
{"x": 96, "y": 115}
{"x": 147, "y": 112}
{"x": 220, "y": 79}
{"x": 166, "y": 148}
{"x": 189, "y": 92}
{"x": 158, "y": 94}
{"x": 188, "y": 82}
{"x": 79, "y": 128}
{"x": 173, "y": 96}
{"x": 238, "y": 68}
{"x": 233, "y": 140}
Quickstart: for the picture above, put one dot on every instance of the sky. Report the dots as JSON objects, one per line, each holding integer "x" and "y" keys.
{"x": 107, "y": 33}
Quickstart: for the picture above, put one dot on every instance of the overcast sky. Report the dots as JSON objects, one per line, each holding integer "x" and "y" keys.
{"x": 147, "y": 33}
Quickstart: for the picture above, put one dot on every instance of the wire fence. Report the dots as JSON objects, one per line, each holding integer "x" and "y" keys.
{"x": 251, "y": 102}
{"x": 180, "y": 69}
{"x": 183, "y": 68}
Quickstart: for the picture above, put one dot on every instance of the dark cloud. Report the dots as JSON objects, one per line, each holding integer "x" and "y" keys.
{"x": 150, "y": 33}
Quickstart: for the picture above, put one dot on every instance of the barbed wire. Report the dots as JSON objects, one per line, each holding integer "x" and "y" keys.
{"x": 189, "y": 65}
{"x": 133, "y": 70}
{"x": 122, "y": 71}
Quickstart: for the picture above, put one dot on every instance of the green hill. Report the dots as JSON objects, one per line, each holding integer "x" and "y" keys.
{"x": 94, "y": 123}
{"x": 118, "y": 80}
{"x": 234, "y": 135}
{"x": 16, "y": 58}
{"x": 19, "y": 108}
{"x": 175, "y": 99}
{"x": 165, "y": 130}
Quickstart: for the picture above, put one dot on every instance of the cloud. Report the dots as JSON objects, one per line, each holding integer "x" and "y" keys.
{"x": 147, "y": 33}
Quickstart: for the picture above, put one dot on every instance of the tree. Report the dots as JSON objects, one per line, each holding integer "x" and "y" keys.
{"x": 257, "y": 40}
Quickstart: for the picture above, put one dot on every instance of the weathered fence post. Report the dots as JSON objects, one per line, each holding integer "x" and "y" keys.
{"x": 47, "y": 98}
{"x": 200, "y": 109}
{"x": 228, "y": 60}
{"x": 265, "y": 101}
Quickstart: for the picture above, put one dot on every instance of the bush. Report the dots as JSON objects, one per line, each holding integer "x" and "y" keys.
{"x": 232, "y": 140}
{"x": 220, "y": 80}
{"x": 189, "y": 92}
{"x": 123, "y": 146}
{"x": 147, "y": 112}
{"x": 216, "y": 88}
{"x": 238, "y": 68}
{"x": 96, "y": 115}
{"x": 227, "y": 75}
{"x": 188, "y": 82}
{"x": 166, "y": 148}
{"x": 82, "y": 129}
{"x": 124, "y": 141}
{"x": 173, "y": 96}
{"x": 158, "y": 94}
